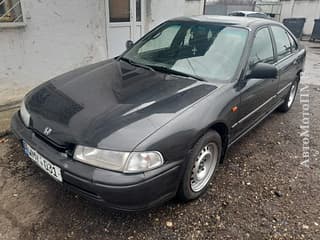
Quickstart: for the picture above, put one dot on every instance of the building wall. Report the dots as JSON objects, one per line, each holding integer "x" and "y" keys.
{"x": 62, "y": 35}
{"x": 309, "y": 9}
{"x": 159, "y": 11}
{"x": 58, "y": 36}
{"x": 223, "y": 7}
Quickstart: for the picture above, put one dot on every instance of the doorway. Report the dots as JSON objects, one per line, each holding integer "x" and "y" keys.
{"x": 124, "y": 22}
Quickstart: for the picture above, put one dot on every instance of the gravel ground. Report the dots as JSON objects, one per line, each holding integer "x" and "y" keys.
{"x": 264, "y": 190}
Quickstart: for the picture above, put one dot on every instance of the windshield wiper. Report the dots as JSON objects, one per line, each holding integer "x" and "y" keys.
{"x": 160, "y": 69}
{"x": 136, "y": 64}
{"x": 174, "y": 72}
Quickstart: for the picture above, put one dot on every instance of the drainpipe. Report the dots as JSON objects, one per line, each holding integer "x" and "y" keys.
{"x": 204, "y": 7}
{"x": 292, "y": 7}
{"x": 105, "y": 27}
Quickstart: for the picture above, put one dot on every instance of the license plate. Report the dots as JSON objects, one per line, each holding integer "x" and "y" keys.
{"x": 43, "y": 163}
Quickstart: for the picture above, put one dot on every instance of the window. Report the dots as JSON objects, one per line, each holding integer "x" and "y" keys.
{"x": 257, "y": 15}
{"x": 119, "y": 10}
{"x": 138, "y": 10}
{"x": 282, "y": 42}
{"x": 2, "y": 9}
{"x": 10, "y": 11}
{"x": 237, "y": 14}
{"x": 198, "y": 34}
{"x": 162, "y": 39}
{"x": 209, "y": 51}
{"x": 262, "y": 50}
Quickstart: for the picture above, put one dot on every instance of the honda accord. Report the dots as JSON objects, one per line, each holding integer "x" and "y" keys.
{"x": 153, "y": 123}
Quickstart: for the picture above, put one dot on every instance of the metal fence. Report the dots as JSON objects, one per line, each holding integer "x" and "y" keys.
{"x": 223, "y": 7}
{"x": 10, "y": 11}
{"x": 272, "y": 8}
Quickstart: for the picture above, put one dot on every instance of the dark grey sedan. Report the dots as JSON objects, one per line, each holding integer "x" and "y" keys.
{"x": 134, "y": 131}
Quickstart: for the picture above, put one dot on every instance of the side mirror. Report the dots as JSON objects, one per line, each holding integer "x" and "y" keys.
{"x": 263, "y": 70}
{"x": 129, "y": 44}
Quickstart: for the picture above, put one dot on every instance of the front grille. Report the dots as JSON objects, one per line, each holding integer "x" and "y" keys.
{"x": 68, "y": 148}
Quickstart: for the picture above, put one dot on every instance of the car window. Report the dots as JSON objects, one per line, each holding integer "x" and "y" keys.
{"x": 162, "y": 39}
{"x": 293, "y": 43}
{"x": 209, "y": 51}
{"x": 205, "y": 33}
{"x": 282, "y": 42}
{"x": 238, "y": 14}
{"x": 257, "y": 15}
{"x": 262, "y": 50}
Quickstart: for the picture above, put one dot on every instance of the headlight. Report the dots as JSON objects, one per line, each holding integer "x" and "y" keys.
{"x": 143, "y": 161}
{"x": 127, "y": 162}
{"x": 25, "y": 115}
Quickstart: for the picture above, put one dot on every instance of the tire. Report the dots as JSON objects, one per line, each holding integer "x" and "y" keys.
{"x": 203, "y": 162}
{"x": 285, "y": 107}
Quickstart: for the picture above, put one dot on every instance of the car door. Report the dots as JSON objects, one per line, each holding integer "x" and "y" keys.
{"x": 287, "y": 62}
{"x": 256, "y": 94}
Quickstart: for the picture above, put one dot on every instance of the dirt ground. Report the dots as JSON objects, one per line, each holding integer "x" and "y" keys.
{"x": 264, "y": 190}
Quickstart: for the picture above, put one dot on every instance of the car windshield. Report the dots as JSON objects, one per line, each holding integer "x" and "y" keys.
{"x": 211, "y": 52}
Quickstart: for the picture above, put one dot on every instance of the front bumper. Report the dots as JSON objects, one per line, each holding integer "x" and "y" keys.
{"x": 113, "y": 189}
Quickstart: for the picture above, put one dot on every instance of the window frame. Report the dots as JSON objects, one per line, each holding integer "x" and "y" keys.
{"x": 15, "y": 24}
{"x": 294, "y": 40}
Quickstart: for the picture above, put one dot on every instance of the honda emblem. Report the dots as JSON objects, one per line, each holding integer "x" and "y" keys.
{"x": 47, "y": 131}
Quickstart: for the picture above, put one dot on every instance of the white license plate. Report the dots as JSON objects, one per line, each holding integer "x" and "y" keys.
{"x": 43, "y": 163}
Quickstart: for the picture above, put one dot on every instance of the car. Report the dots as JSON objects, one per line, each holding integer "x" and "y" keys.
{"x": 248, "y": 14}
{"x": 155, "y": 122}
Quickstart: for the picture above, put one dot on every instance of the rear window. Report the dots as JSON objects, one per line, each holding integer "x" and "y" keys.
{"x": 257, "y": 15}
{"x": 238, "y": 14}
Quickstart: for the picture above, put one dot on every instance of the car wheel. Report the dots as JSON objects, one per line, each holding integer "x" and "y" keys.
{"x": 202, "y": 164}
{"x": 285, "y": 107}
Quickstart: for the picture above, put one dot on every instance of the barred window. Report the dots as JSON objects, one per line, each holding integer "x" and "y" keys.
{"x": 11, "y": 11}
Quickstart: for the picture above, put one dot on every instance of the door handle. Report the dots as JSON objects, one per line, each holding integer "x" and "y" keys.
{"x": 295, "y": 62}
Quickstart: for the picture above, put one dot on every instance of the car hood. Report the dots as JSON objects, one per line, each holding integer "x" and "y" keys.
{"x": 110, "y": 105}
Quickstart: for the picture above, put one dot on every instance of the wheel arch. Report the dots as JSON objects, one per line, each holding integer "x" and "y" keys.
{"x": 299, "y": 75}
{"x": 222, "y": 129}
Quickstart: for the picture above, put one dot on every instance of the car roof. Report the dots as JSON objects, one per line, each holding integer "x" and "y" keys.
{"x": 229, "y": 20}
{"x": 248, "y": 12}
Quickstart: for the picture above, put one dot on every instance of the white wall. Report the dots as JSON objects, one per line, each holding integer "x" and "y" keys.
{"x": 309, "y": 9}
{"x": 162, "y": 10}
{"x": 59, "y": 36}
{"x": 62, "y": 35}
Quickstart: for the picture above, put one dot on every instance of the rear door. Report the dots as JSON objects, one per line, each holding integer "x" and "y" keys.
{"x": 287, "y": 62}
{"x": 257, "y": 94}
